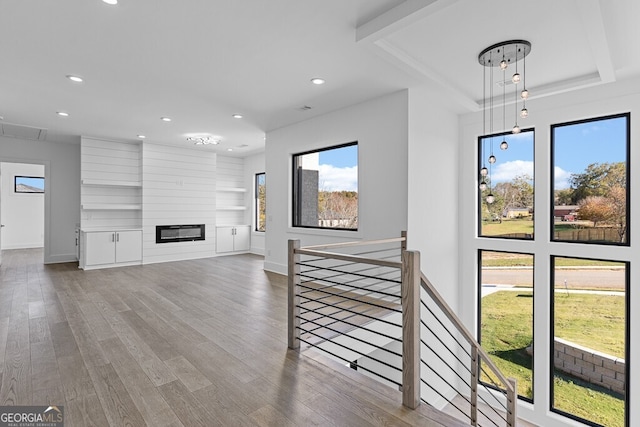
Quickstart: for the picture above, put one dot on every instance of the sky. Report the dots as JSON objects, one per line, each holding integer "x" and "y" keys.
{"x": 574, "y": 148}
{"x": 339, "y": 169}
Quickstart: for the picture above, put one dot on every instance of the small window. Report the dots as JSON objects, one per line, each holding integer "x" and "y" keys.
{"x": 325, "y": 188}
{"x": 29, "y": 184}
{"x": 591, "y": 181}
{"x": 261, "y": 201}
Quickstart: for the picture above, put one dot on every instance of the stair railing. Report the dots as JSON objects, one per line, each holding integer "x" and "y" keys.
{"x": 368, "y": 305}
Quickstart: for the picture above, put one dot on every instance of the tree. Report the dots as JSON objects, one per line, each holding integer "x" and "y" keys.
{"x": 563, "y": 197}
{"x": 618, "y": 201}
{"x": 597, "y": 179}
{"x": 596, "y": 209}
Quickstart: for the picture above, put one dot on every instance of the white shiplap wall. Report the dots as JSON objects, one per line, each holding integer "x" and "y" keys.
{"x": 178, "y": 188}
{"x": 110, "y": 191}
{"x": 232, "y": 194}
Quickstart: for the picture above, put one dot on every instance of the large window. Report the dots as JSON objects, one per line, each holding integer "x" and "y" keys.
{"x": 325, "y": 188}
{"x": 589, "y": 348}
{"x": 590, "y": 180}
{"x": 582, "y": 273}
{"x": 506, "y": 185}
{"x": 261, "y": 201}
{"x": 506, "y": 316}
{"x": 28, "y": 184}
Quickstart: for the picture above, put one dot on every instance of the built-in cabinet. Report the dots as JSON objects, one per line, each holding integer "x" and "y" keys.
{"x": 232, "y": 232}
{"x": 110, "y": 248}
{"x": 233, "y": 238}
{"x": 111, "y": 203}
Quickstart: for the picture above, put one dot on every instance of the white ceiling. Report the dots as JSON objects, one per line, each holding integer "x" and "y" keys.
{"x": 201, "y": 61}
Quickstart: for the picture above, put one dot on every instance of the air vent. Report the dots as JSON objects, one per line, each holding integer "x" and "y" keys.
{"x": 23, "y": 132}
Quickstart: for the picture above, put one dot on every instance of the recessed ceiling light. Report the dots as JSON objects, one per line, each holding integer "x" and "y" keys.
{"x": 317, "y": 81}
{"x": 111, "y": 2}
{"x": 165, "y": 119}
{"x": 237, "y": 116}
{"x": 75, "y": 79}
{"x": 141, "y": 136}
{"x": 62, "y": 114}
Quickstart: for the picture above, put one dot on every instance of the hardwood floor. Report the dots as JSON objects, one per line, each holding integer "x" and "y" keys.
{"x": 193, "y": 343}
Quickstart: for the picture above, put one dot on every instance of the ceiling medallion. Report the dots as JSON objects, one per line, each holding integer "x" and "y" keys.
{"x": 204, "y": 140}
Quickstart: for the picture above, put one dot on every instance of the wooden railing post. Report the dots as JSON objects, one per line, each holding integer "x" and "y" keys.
{"x": 410, "y": 294}
{"x": 294, "y": 295}
{"x": 475, "y": 371}
{"x": 512, "y": 402}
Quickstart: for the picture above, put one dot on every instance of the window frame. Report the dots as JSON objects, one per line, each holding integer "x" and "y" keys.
{"x": 533, "y": 316}
{"x": 627, "y": 337}
{"x": 627, "y": 162}
{"x": 479, "y": 192}
{"x": 296, "y": 198}
{"x": 15, "y": 184}
{"x": 257, "y": 203}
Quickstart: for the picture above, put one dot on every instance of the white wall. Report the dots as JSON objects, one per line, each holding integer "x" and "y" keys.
{"x": 178, "y": 187}
{"x": 252, "y": 165}
{"x": 433, "y": 190}
{"x": 22, "y": 213}
{"x": 587, "y": 103}
{"x": 380, "y": 127}
{"x": 62, "y": 189}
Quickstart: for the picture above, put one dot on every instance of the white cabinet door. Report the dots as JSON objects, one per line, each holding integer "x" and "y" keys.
{"x": 128, "y": 246}
{"x": 100, "y": 248}
{"x": 242, "y": 238}
{"x": 224, "y": 239}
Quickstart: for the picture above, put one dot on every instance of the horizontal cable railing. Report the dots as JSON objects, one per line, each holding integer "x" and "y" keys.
{"x": 453, "y": 363}
{"x": 348, "y": 304}
{"x": 368, "y": 305}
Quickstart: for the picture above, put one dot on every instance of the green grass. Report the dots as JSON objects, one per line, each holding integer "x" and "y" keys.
{"x": 507, "y": 226}
{"x": 527, "y": 261}
{"x": 594, "y": 321}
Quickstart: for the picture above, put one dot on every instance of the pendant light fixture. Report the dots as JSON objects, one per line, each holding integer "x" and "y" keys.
{"x": 504, "y": 55}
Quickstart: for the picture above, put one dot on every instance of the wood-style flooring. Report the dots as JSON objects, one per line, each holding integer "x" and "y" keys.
{"x": 190, "y": 343}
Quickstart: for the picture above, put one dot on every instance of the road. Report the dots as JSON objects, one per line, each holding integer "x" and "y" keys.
{"x": 590, "y": 278}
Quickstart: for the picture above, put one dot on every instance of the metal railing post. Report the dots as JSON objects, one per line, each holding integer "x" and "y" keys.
{"x": 410, "y": 295}
{"x": 475, "y": 371}
{"x": 294, "y": 295}
{"x": 512, "y": 402}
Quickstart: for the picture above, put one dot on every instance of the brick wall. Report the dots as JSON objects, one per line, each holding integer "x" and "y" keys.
{"x": 592, "y": 366}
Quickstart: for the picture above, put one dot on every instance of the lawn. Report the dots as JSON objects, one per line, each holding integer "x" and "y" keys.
{"x": 593, "y": 321}
{"x": 507, "y": 226}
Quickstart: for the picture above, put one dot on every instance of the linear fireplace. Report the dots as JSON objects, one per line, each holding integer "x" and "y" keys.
{"x": 179, "y": 233}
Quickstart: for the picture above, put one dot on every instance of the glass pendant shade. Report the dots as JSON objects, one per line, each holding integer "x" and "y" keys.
{"x": 524, "y": 113}
{"x": 482, "y": 186}
{"x": 516, "y": 129}
{"x": 516, "y": 78}
{"x": 524, "y": 94}
{"x": 492, "y": 159}
{"x": 504, "y": 145}
{"x": 503, "y": 65}
{"x": 490, "y": 198}
{"x": 484, "y": 171}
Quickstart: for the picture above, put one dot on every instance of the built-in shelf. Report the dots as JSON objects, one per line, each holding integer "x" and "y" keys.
{"x": 232, "y": 189}
{"x": 231, "y": 208}
{"x": 106, "y": 183}
{"x": 111, "y": 207}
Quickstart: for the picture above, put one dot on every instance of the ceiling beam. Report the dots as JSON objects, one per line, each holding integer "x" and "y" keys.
{"x": 591, "y": 15}
{"x": 397, "y": 18}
